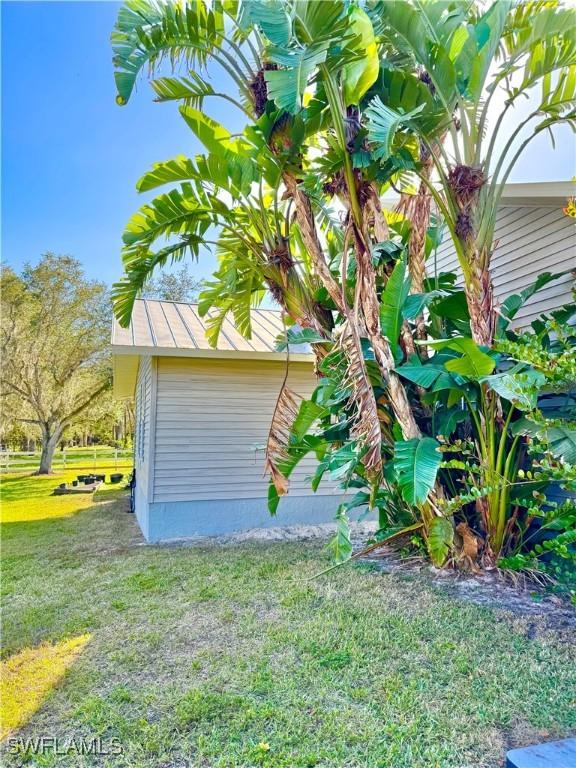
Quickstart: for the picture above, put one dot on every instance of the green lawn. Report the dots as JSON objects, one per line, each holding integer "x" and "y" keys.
{"x": 197, "y": 657}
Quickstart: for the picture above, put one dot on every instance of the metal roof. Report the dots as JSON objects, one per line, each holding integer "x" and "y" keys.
{"x": 175, "y": 328}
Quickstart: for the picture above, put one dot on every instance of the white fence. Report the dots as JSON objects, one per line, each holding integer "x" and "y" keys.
{"x": 69, "y": 458}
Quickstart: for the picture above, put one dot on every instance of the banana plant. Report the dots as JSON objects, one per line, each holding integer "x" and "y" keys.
{"x": 301, "y": 69}
{"x": 470, "y": 55}
{"x": 342, "y": 101}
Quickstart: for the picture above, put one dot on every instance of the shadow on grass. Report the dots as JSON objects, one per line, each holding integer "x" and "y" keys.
{"x": 29, "y": 677}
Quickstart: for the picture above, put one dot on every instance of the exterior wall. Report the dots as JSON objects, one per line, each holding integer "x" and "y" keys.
{"x": 143, "y": 434}
{"x": 173, "y": 520}
{"x": 530, "y": 240}
{"x": 211, "y": 424}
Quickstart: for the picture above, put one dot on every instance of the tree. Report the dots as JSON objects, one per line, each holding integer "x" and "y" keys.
{"x": 343, "y": 103}
{"x": 107, "y": 420}
{"x": 54, "y": 338}
{"x": 180, "y": 285}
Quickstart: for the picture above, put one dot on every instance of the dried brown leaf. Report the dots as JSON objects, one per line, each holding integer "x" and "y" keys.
{"x": 366, "y": 426}
{"x": 285, "y": 413}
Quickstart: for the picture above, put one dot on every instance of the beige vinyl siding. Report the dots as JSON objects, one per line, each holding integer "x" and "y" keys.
{"x": 212, "y": 420}
{"x": 143, "y": 417}
{"x": 529, "y": 240}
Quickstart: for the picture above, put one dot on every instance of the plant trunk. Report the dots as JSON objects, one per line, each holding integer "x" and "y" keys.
{"x": 480, "y": 300}
{"x": 49, "y": 444}
{"x": 371, "y": 310}
{"x": 307, "y": 225}
{"x": 416, "y": 208}
{"x": 368, "y": 299}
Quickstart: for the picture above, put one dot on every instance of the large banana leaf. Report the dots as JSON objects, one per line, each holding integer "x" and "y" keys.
{"x": 214, "y": 136}
{"x": 287, "y": 85}
{"x": 146, "y": 32}
{"x": 358, "y": 75}
{"x": 515, "y": 301}
{"x": 422, "y": 375}
{"x": 229, "y": 172}
{"x": 173, "y": 213}
{"x": 426, "y": 31}
{"x": 439, "y": 539}
{"x": 416, "y": 463}
{"x": 270, "y": 16}
{"x": 448, "y": 419}
{"x": 340, "y": 547}
{"x": 476, "y": 55}
{"x": 308, "y": 413}
{"x": 521, "y": 388}
{"x": 296, "y": 336}
{"x": 191, "y": 90}
{"x": 319, "y": 21}
{"x": 139, "y": 265}
{"x": 474, "y": 363}
{"x": 393, "y": 297}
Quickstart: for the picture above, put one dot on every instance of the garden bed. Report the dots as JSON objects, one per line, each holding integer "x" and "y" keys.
{"x": 80, "y": 488}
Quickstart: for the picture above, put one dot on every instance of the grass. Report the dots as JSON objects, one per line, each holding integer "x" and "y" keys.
{"x": 230, "y": 657}
{"x": 26, "y": 498}
{"x": 30, "y": 675}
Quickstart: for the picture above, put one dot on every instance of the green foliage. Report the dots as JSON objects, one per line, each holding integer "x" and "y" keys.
{"x": 391, "y": 303}
{"x": 383, "y": 123}
{"x": 359, "y": 75}
{"x": 440, "y": 539}
{"x": 551, "y": 546}
{"x": 416, "y": 463}
{"x": 521, "y": 388}
{"x": 54, "y": 333}
{"x": 286, "y": 86}
{"x": 516, "y": 301}
{"x": 473, "y": 362}
{"x": 296, "y": 336}
{"x": 340, "y": 547}
{"x": 173, "y": 286}
{"x": 558, "y": 438}
{"x": 427, "y": 402}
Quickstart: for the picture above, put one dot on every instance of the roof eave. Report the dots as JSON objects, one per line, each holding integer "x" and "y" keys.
{"x": 214, "y": 354}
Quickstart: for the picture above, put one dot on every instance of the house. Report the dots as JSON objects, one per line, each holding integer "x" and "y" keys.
{"x": 202, "y": 420}
{"x": 532, "y": 236}
{"x": 202, "y": 414}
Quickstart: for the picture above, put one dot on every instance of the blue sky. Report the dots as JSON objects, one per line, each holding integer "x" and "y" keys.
{"x": 71, "y": 156}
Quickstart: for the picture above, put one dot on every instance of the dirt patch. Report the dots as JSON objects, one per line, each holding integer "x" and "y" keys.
{"x": 538, "y": 610}
{"x": 360, "y": 533}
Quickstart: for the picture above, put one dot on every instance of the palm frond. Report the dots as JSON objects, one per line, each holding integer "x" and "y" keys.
{"x": 147, "y": 32}
{"x": 383, "y": 123}
{"x": 139, "y": 265}
{"x": 286, "y": 86}
{"x": 192, "y": 90}
{"x": 227, "y": 172}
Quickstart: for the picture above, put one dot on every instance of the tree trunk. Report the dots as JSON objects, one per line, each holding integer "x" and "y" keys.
{"x": 49, "y": 445}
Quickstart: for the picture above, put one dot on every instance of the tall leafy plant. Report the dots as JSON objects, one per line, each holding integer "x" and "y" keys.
{"x": 415, "y": 408}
